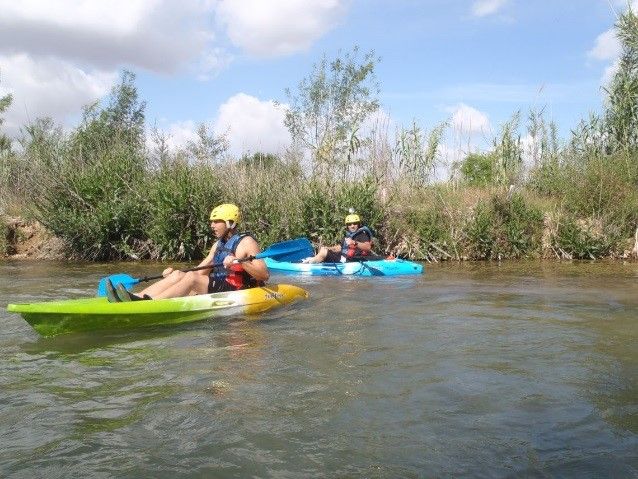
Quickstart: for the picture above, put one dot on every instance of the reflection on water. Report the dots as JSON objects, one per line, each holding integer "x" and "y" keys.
{"x": 489, "y": 370}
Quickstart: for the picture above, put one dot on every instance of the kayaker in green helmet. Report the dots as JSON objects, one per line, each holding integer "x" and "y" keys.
{"x": 228, "y": 275}
{"x": 356, "y": 245}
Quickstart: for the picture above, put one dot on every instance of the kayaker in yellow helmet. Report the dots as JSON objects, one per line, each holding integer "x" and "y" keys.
{"x": 356, "y": 245}
{"x": 227, "y": 276}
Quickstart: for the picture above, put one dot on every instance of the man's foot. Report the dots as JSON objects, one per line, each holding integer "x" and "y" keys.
{"x": 110, "y": 292}
{"x": 124, "y": 295}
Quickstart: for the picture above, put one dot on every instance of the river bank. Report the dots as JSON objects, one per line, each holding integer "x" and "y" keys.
{"x": 30, "y": 240}
{"x": 22, "y": 239}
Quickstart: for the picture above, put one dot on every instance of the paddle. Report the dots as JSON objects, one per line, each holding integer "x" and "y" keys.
{"x": 363, "y": 263}
{"x": 301, "y": 248}
{"x": 363, "y": 260}
{"x": 291, "y": 250}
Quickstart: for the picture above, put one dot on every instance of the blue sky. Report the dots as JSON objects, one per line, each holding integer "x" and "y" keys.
{"x": 225, "y": 62}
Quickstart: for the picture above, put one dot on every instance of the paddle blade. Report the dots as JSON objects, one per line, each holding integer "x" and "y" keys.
{"x": 125, "y": 279}
{"x": 292, "y": 250}
{"x": 373, "y": 271}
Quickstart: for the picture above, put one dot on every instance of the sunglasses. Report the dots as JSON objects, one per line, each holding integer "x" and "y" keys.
{"x": 350, "y": 224}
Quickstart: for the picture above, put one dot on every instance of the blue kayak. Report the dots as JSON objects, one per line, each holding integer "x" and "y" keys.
{"x": 383, "y": 267}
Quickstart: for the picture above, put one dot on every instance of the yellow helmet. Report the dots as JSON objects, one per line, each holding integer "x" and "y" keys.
{"x": 226, "y": 212}
{"x": 352, "y": 218}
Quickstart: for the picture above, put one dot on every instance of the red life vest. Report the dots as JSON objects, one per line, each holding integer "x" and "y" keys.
{"x": 222, "y": 279}
{"x": 352, "y": 250}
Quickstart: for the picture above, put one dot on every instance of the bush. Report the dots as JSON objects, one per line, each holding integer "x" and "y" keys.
{"x": 479, "y": 169}
{"x": 580, "y": 239}
{"x": 84, "y": 188}
{"x": 326, "y": 204}
{"x": 505, "y": 227}
{"x": 270, "y": 198}
{"x": 178, "y": 199}
{"x": 94, "y": 204}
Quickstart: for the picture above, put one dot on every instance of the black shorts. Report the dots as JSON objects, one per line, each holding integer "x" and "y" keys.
{"x": 333, "y": 257}
{"x": 219, "y": 286}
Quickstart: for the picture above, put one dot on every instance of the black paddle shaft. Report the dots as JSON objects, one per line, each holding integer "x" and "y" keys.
{"x": 197, "y": 268}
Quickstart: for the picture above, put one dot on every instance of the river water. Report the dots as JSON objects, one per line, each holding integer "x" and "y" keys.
{"x": 471, "y": 370}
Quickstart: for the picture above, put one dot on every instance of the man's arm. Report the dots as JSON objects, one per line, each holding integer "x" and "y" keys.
{"x": 256, "y": 268}
{"x": 362, "y": 240}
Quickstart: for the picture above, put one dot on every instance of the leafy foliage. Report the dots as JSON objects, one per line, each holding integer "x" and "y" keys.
{"x": 508, "y": 152}
{"x": 581, "y": 241}
{"x": 417, "y": 153}
{"x": 178, "y": 201}
{"x": 109, "y": 196}
{"x": 208, "y": 147}
{"x": 325, "y": 206}
{"x": 622, "y": 94}
{"x": 5, "y": 142}
{"x": 506, "y": 227}
{"x": 479, "y": 169}
{"x": 85, "y": 189}
{"x": 330, "y": 106}
{"x": 261, "y": 160}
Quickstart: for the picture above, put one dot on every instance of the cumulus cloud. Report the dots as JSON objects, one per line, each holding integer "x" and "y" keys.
{"x": 252, "y": 125}
{"x": 468, "y": 120}
{"x": 48, "y": 87}
{"x": 279, "y": 27}
{"x": 159, "y": 36}
{"x": 482, "y": 8}
{"x": 177, "y": 135}
{"x": 58, "y": 56}
{"x": 607, "y": 46}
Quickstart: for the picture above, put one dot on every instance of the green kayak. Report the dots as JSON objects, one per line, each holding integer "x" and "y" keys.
{"x": 93, "y": 314}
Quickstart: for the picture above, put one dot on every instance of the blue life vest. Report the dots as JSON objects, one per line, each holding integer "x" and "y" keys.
{"x": 236, "y": 277}
{"x": 350, "y": 251}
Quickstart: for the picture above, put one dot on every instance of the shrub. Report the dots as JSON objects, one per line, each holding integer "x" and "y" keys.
{"x": 580, "y": 239}
{"x": 178, "y": 199}
{"x": 505, "y": 227}
{"x": 479, "y": 169}
{"x": 325, "y": 205}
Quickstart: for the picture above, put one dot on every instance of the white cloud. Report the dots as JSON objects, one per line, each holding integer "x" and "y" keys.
{"x": 468, "y": 120}
{"x": 482, "y": 8}
{"x": 607, "y": 46}
{"x": 530, "y": 150}
{"x": 60, "y": 55}
{"x": 159, "y": 36}
{"x": 118, "y": 16}
{"x": 212, "y": 62}
{"x": 179, "y": 134}
{"x": 279, "y": 27}
{"x": 252, "y": 125}
{"x": 48, "y": 87}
